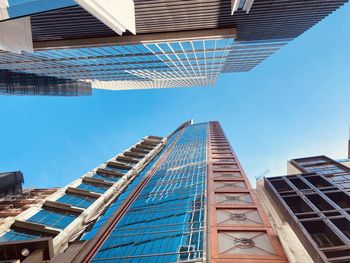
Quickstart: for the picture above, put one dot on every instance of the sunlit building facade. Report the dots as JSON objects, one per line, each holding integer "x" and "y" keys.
{"x": 126, "y": 44}
{"x": 180, "y": 198}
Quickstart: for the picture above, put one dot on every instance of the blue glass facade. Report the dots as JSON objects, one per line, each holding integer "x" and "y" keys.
{"x": 15, "y": 236}
{"x": 115, "y": 205}
{"x": 166, "y": 220}
{"x": 76, "y": 200}
{"x": 171, "y": 64}
{"x": 93, "y": 188}
{"x": 165, "y": 223}
{"x": 52, "y": 218}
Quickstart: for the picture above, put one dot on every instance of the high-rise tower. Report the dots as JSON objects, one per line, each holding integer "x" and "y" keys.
{"x": 140, "y": 44}
{"x": 182, "y": 198}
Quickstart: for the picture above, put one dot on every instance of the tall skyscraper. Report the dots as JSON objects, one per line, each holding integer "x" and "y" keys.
{"x": 310, "y": 208}
{"x": 142, "y": 44}
{"x": 181, "y": 198}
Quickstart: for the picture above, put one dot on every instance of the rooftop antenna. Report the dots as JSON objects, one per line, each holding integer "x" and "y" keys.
{"x": 258, "y": 177}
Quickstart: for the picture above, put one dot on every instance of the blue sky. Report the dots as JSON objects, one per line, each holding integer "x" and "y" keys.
{"x": 294, "y": 104}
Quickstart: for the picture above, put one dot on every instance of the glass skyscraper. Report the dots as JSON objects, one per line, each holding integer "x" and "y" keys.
{"x": 138, "y": 44}
{"x": 165, "y": 222}
{"x": 185, "y": 198}
{"x": 192, "y": 62}
{"x": 181, "y": 198}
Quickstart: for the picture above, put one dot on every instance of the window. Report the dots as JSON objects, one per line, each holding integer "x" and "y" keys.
{"x": 320, "y": 203}
{"x": 93, "y": 188}
{"x": 297, "y": 204}
{"x": 311, "y": 162}
{"x": 322, "y": 234}
{"x": 322, "y": 240}
{"x": 280, "y": 185}
{"x": 343, "y": 225}
{"x": 13, "y": 235}
{"x": 327, "y": 169}
{"x": 76, "y": 200}
{"x": 52, "y": 218}
{"x": 173, "y": 200}
{"x": 345, "y": 185}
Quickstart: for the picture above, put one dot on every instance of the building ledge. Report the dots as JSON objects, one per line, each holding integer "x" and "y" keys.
{"x": 77, "y": 191}
{"x": 60, "y": 207}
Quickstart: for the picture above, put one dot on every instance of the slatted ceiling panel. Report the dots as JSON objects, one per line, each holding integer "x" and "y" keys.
{"x": 218, "y": 12}
{"x": 68, "y": 23}
{"x": 285, "y": 22}
{"x": 267, "y": 19}
{"x": 183, "y": 14}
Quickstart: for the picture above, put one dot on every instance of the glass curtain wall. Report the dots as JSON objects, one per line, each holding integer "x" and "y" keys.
{"x": 165, "y": 223}
{"x": 184, "y": 63}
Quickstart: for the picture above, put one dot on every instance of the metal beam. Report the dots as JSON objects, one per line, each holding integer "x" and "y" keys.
{"x": 109, "y": 172}
{"x": 97, "y": 181}
{"x": 117, "y": 15}
{"x": 137, "y": 39}
{"x": 62, "y": 208}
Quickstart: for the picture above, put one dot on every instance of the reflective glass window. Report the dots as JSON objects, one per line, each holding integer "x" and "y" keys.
{"x": 93, "y": 188}
{"x": 52, "y": 218}
{"x": 76, "y": 200}
{"x": 13, "y": 235}
{"x": 115, "y": 205}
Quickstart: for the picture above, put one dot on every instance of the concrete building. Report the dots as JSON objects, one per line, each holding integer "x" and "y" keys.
{"x": 141, "y": 44}
{"x": 180, "y": 198}
{"x": 310, "y": 209}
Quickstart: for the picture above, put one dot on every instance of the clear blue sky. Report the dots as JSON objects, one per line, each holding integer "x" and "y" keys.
{"x": 294, "y": 104}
